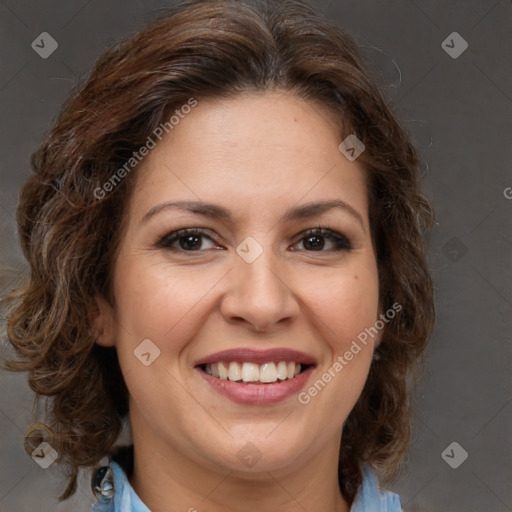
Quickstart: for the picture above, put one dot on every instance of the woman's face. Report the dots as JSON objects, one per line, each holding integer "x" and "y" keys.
{"x": 253, "y": 174}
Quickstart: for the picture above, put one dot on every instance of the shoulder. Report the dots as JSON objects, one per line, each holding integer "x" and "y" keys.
{"x": 371, "y": 497}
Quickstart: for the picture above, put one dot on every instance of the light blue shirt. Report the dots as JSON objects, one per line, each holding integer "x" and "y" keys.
{"x": 370, "y": 498}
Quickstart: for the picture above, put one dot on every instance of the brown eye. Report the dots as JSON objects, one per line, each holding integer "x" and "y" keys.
{"x": 315, "y": 240}
{"x": 188, "y": 240}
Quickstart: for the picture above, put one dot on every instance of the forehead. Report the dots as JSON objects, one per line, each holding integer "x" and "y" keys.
{"x": 257, "y": 148}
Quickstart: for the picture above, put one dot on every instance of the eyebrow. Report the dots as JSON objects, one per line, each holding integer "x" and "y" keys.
{"x": 215, "y": 211}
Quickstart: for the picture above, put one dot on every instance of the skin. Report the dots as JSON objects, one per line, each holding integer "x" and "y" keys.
{"x": 257, "y": 155}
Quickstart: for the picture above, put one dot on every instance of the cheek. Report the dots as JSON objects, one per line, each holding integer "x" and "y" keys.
{"x": 346, "y": 303}
{"x": 159, "y": 304}
{"x": 167, "y": 305}
{"x": 147, "y": 308}
{"x": 158, "y": 301}
{"x": 345, "y": 309}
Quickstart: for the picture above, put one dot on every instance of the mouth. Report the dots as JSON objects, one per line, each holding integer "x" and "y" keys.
{"x": 256, "y": 377}
{"x": 247, "y": 372}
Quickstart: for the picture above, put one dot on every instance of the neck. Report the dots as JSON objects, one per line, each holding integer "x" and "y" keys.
{"x": 165, "y": 479}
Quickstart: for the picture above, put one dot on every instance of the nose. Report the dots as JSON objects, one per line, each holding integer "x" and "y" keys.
{"x": 260, "y": 294}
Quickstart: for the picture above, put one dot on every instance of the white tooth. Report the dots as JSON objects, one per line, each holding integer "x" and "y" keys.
{"x": 250, "y": 372}
{"x": 268, "y": 372}
{"x": 222, "y": 368}
{"x": 282, "y": 371}
{"x": 234, "y": 371}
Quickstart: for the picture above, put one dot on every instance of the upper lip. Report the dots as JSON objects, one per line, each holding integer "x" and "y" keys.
{"x": 250, "y": 355}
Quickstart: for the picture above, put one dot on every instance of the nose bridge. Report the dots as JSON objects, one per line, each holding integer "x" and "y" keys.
{"x": 258, "y": 267}
{"x": 262, "y": 275}
{"x": 258, "y": 293}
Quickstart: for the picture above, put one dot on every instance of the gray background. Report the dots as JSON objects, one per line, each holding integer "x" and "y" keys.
{"x": 458, "y": 111}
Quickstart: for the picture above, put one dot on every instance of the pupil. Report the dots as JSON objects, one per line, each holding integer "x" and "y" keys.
{"x": 188, "y": 241}
{"x": 315, "y": 244}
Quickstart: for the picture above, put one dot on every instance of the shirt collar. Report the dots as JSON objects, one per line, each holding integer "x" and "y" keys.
{"x": 368, "y": 497}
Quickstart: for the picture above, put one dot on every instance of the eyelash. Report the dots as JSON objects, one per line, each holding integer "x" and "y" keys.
{"x": 341, "y": 241}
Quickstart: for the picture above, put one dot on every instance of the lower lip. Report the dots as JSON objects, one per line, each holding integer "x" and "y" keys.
{"x": 258, "y": 394}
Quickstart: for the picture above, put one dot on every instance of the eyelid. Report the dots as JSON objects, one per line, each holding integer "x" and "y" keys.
{"x": 341, "y": 241}
{"x": 178, "y": 233}
{"x": 329, "y": 233}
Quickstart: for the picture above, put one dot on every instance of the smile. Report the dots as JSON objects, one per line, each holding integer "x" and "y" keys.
{"x": 255, "y": 377}
{"x": 253, "y": 372}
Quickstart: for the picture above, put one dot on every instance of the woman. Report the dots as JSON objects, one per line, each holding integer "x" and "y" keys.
{"x": 224, "y": 231}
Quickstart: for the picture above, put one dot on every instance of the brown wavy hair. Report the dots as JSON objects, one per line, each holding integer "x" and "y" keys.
{"x": 205, "y": 49}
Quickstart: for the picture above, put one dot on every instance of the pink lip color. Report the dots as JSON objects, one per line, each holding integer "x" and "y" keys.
{"x": 257, "y": 394}
{"x": 249, "y": 355}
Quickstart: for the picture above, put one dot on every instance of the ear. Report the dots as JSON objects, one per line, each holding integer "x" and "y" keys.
{"x": 101, "y": 316}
